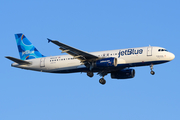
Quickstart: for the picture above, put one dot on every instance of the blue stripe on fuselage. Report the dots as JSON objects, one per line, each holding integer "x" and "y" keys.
{"x": 118, "y": 66}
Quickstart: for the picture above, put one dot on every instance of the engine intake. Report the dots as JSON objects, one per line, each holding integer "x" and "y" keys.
{"x": 123, "y": 74}
{"x": 105, "y": 62}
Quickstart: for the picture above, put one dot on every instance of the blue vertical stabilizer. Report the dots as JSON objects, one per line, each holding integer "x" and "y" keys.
{"x": 26, "y": 48}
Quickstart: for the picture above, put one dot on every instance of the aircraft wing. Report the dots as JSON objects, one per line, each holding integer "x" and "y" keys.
{"x": 81, "y": 55}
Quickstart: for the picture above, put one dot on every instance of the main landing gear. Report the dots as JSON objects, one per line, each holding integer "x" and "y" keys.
{"x": 102, "y": 81}
{"x": 152, "y": 72}
{"x": 90, "y": 74}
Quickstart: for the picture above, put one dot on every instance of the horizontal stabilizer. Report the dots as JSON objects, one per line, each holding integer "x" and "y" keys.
{"x": 19, "y": 61}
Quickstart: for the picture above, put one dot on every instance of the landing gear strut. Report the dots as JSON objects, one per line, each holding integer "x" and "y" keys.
{"x": 90, "y": 74}
{"x": 102, "y": 81}
{"x": 152, "y": 72}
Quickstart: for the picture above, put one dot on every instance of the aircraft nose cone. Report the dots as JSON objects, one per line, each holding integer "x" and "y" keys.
{"x": 172, "y": 56}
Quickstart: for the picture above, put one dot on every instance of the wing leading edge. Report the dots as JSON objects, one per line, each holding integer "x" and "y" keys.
{"x": 76, "y": 53}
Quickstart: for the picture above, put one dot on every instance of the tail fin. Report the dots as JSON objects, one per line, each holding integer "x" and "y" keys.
{"x": 26, "y": 48}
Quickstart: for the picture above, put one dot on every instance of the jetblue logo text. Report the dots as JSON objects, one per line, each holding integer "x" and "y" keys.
{"x": 129, "y": 52}
{"x": 27, "y": 52}
{"x": 105, "y": 61}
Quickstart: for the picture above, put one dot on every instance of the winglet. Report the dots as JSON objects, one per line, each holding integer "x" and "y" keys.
{"x": 49, "y": 40}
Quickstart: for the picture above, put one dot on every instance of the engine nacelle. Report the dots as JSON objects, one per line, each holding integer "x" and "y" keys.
{"x": 105, "y": 62}
{"x": 123, "y": 74}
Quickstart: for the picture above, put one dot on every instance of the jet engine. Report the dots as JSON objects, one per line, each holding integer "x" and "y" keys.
{"x": 123, "y": 74}
{"x": 105, "y": 62}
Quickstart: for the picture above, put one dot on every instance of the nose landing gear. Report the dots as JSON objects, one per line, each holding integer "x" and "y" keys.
{"x": 152, "y": 72}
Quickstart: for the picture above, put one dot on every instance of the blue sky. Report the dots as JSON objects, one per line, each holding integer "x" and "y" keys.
{"x": 90, "y": 26}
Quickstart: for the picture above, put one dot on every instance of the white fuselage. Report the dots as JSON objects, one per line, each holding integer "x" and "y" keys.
{"x": 131, "y": 57}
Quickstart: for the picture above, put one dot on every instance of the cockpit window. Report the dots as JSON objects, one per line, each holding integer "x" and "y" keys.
{"x": 162, "y": 50}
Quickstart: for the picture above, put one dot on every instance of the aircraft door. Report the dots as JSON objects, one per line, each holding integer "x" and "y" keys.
{"x": 42, "y": 62}
{"x": 149, "y": 51}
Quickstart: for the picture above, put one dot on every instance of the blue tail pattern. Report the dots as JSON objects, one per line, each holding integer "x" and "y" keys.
{"x": 26, "y": 49}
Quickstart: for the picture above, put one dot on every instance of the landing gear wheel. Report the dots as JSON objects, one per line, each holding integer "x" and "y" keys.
{"x": 152, "y": 72}
{"x": 102, "y": 81}
{"x": 90, "y": 74}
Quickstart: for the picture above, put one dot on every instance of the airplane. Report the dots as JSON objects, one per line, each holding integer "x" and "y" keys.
{"x": 114, "y": 62}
